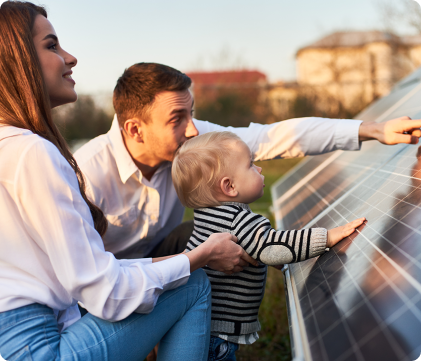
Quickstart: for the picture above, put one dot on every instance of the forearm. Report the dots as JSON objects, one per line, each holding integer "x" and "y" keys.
{"x": 159, "y": 259}
{"x": 198, "y": 258}
{"x": 272, "y": 247}
{"x": 294, "y": 246}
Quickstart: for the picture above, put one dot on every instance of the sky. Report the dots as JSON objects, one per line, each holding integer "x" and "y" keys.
{"x": 108, "y": 36}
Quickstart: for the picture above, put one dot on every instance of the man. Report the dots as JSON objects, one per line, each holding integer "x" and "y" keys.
{"x": 128, "y": 170}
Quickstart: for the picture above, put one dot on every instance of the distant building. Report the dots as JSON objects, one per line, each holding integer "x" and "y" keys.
{"x": 344, "y": 71}
{"x": 211, "y": 84}
{"x": 337, "y": 75}
{"x": 358, "y": 65}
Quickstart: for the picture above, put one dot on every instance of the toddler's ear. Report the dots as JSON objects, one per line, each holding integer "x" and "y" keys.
{"x": 227, "y": 187}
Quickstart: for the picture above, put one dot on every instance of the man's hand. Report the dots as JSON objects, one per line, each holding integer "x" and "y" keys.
{"x": 400, "y": 130}
{"x": 221, "y": 253}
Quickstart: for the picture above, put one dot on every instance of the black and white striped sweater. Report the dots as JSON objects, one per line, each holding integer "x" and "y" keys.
{"x": 236, "y": 298}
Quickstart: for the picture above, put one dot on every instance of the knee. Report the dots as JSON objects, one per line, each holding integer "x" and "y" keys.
{"x": 201, "y": 281}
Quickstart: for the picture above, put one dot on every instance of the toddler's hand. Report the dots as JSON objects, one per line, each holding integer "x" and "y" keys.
{"x": 335, "y": 235}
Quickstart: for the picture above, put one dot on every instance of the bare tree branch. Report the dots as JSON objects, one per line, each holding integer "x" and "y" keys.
{"x": 397, "y": 15}
{"x": 414, "y": 14}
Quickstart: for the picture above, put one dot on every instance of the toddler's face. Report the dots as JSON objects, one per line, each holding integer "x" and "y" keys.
{"x": 247, "y": 177}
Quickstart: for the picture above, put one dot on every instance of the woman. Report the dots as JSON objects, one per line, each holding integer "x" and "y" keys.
{"x": 51, "y": 249}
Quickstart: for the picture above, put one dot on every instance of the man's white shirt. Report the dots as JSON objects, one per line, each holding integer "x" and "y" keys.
{"x": 142, "y": 213}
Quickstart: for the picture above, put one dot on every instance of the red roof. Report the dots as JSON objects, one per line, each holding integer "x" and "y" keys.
{"x": 227, "y": 77}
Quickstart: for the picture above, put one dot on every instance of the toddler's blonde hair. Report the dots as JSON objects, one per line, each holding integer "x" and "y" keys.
{"x": 198, "y": 167}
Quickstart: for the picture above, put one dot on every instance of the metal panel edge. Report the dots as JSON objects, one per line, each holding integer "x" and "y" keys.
{"x": 298, "y": 336}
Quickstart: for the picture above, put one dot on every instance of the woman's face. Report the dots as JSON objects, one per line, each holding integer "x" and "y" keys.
{"x": 56, "y": 64}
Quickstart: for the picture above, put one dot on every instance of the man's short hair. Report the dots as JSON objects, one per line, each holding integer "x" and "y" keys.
{"x": 199, "y": 165}
{"x": 137, "y": 88}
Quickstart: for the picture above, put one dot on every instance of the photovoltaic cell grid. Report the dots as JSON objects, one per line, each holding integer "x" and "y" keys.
{"x": 362, "y": 299}
{"x": 336, "y": 177}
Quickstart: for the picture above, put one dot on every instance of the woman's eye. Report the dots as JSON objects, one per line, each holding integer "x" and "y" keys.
{"x": 52, "y": 47}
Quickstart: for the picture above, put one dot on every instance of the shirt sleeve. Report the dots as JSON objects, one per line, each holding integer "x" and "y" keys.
{"x": 272, "y": 247}
{"x": 59, "y": 222}
{"x": 294, "y": 137}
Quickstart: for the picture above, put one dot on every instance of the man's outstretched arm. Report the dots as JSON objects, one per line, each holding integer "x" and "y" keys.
{"x": 311, "y": 136}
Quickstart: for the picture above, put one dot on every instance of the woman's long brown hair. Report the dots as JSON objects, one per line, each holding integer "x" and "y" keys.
{"x": 24, "y": 100}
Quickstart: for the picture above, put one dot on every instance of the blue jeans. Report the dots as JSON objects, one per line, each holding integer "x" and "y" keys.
{"x": 221, "y": 350}
{"x": 180, "y": 323}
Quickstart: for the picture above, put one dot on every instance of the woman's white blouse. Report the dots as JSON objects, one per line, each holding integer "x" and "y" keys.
{"x": 50, "y": 252}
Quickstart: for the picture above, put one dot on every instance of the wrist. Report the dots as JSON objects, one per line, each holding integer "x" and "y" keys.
{"x": 206, "y": 252}
{"x": 328, "y": 241}
{"x": 367, "y": 131}
{"x": 199, "y": 257}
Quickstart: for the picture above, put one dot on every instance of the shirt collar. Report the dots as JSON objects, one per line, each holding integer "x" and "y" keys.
{"x": 7, "y": 131}
{"x": 126, "y": 166}
{"x": 242, "y": 205}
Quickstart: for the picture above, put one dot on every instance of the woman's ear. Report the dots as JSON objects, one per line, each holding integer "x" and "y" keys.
{"x": 227, "y": 187}
{"x": 133, "y": 129}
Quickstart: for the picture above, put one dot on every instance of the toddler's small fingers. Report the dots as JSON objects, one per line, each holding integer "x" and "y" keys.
{"x": 360, "y": 222}
{"x": 349, "y": 231}
{"x": 357, "y": 222}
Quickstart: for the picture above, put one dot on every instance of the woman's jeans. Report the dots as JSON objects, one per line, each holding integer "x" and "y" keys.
{"x": 180, "y": 323}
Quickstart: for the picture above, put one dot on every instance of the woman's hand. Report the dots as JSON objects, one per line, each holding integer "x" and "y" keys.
{"x": 221, "y": 253}
{"x": 337, "y": 234}
{"x": 395, "y": 131}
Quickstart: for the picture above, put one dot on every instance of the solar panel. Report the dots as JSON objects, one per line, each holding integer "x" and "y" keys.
{"x": 362, "y": 299}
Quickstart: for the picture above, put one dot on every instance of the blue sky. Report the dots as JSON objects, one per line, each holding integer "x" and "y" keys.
{"x": 108, "y": 36}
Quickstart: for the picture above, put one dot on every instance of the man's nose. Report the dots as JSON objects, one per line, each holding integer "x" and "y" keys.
{"x": 191, "y": 130}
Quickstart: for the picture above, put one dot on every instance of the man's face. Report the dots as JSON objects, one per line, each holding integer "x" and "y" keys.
{"x": 170, "y": 125}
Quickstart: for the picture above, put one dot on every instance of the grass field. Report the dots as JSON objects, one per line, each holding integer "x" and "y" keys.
{"x": 273, "y": 344}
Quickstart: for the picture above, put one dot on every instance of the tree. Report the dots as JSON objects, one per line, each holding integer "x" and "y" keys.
{"x": 83, "y": 119}
{"x": 400, "y": 15}
{"x": 229, "y": 107}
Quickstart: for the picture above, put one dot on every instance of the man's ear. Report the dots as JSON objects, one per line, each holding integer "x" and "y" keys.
{"x": 227, "y": 187}
{"x": 133, "y": 129}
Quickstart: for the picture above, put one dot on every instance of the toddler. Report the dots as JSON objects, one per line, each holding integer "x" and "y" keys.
{"x": 214, "y": 174}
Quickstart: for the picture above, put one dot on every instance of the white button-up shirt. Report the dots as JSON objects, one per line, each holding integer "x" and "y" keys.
{"x": 50, "y": 251}
{"x": 141, "y": 213}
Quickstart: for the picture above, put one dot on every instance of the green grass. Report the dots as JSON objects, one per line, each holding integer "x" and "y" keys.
{"x": 273, "y": 344}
